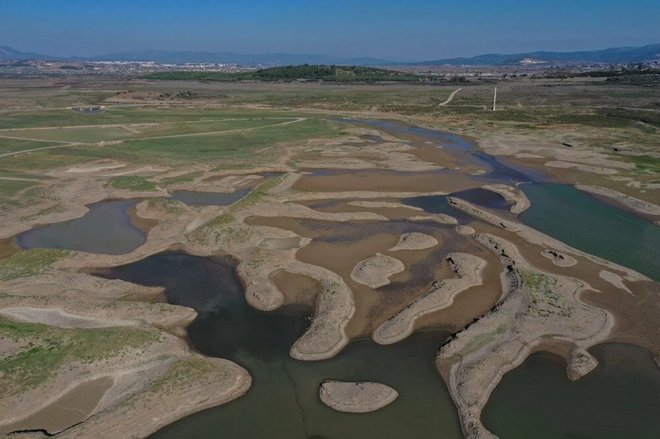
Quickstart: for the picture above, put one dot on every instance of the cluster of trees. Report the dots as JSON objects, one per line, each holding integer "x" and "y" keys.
{"x": 304, "y": 72}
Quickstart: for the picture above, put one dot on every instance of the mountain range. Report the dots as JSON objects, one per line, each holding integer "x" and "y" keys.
{"x": 619, "y": 55}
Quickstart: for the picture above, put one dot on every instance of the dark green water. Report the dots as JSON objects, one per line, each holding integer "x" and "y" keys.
{"x": 107, "y": 229}
{"x": 283, "y": 402}
{"x": 620, "y": 399}
{"x": 588, "y": 224}
{"x": 210, "y": 198}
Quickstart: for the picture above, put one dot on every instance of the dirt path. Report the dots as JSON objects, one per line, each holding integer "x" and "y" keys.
{"x": 25, "y": 151}
{"x": 451, "y": 97}
{"x": 34, "y": 140}
{"x": 124, "y": 125}
{"x": 65, "y": 144}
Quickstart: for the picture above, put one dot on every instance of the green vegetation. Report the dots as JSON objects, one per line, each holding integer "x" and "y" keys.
{"x": 248, "y": 145}
{"x": 49, "y": 348}
{"x": 132, "y": 183}
{"x": 127, "y": 132}
{"x": 547, "y": 301}
{"x": 183, "y": 178}
{"x": 15, "y": 145}
{"x": 645, "y": 163}
{"x": 185, "y": 371}
{"x": 9, "y": 188}
{"x": 332, "y": 73}
{"x": 30, "y": 263}
{"x": 167, "y": 205}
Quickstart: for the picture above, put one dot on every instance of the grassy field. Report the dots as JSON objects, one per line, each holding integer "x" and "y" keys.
{"x": 14, "y": 145}
{"x": 50, "y": 348}
{"x": 127, "y": 132}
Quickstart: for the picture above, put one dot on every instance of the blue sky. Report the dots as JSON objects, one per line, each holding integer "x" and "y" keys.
{"x": 400, "y": 30}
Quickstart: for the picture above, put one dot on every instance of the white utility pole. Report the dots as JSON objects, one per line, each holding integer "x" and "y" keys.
{"x": 495, "y": 99}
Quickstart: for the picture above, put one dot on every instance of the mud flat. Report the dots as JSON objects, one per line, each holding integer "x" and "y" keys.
{"x": 513, "y": 195}
{"x": 614, "y": 279}
{"x": 360, "y": 397}
{"x": 584, "y": 168}
{"x": 559, "y": 259}
{"x": 381, "y": 204}
{"x": 467, "y": 269}
{"x": 326, "y": 336}
{"x": 632, "y": 203}
{"x": 439, "y": 218}
{"x": 376, "y": 270}
{"x": 536, "y": 308}
{"x": 414, "y": 241}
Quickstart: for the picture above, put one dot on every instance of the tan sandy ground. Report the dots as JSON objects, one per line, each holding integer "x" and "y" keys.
{"x": 614, "y": 279}
{"x": 414, "y": 241}
{"x": 467, "y": 269}
{"x": 376, "y": 270}
{"x": 513, "y": 195}
{"x": 362, "y": 397}
{"x": 439, "y": 218}
{"x": 559, "y": 259}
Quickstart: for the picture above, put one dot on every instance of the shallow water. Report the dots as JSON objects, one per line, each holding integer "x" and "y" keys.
{"x": 210, "y": 198}
{"x": 283, "y": 402}
{"x": 106, "y": 229}
{"x": 480, "y": 197}
{"x": 586, "y": 223}
{"x": 462, "y": 149}
{"x": 619, "y": 399}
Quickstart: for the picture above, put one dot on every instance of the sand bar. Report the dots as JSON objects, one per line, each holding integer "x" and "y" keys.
{"x": 362, "y": 397}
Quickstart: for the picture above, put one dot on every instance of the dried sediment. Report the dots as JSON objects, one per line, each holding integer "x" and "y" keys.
{"x": 614, "y": 279}
{"x": 326, "y": 336}
{"x": 536, "y": 308}
{"x": 467, "y": 269}
{"x": 376, "y": 270}
{"x": 580, "y": 167}
{"x": 414, "y": 241}
{"x": 633, "y": 203}
{"x": 360, "y": 397}
{"x": 199, "y": 381}
{"x": 439, "y": 218}
{"x": 513, "y": 195}
{"x": 559, "y": 259}
{"x": 464, "y": 230}
{"x": 382, "y": 204}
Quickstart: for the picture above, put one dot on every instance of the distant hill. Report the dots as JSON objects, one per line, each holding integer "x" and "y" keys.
{"x": 619, "y": 55}
{"x": 270, "y": 59}
{"x": 10, "y": 53}
{"x": 182, "y": 57}
{"x": 307, "y": 72}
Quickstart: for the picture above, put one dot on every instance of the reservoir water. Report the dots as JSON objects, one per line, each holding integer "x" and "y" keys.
{"x": 106, "y": 229}
{"x": 586, "y": 223}
{"x": 619, "y": 399}
{"x": 283, "y": 402}
{"x": 210, "y": 198}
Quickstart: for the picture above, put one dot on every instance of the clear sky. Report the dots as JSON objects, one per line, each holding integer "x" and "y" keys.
{"x": 404, "y": 30}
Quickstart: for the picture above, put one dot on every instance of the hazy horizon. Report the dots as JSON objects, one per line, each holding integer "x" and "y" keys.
{"x": 417, "y": 30}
